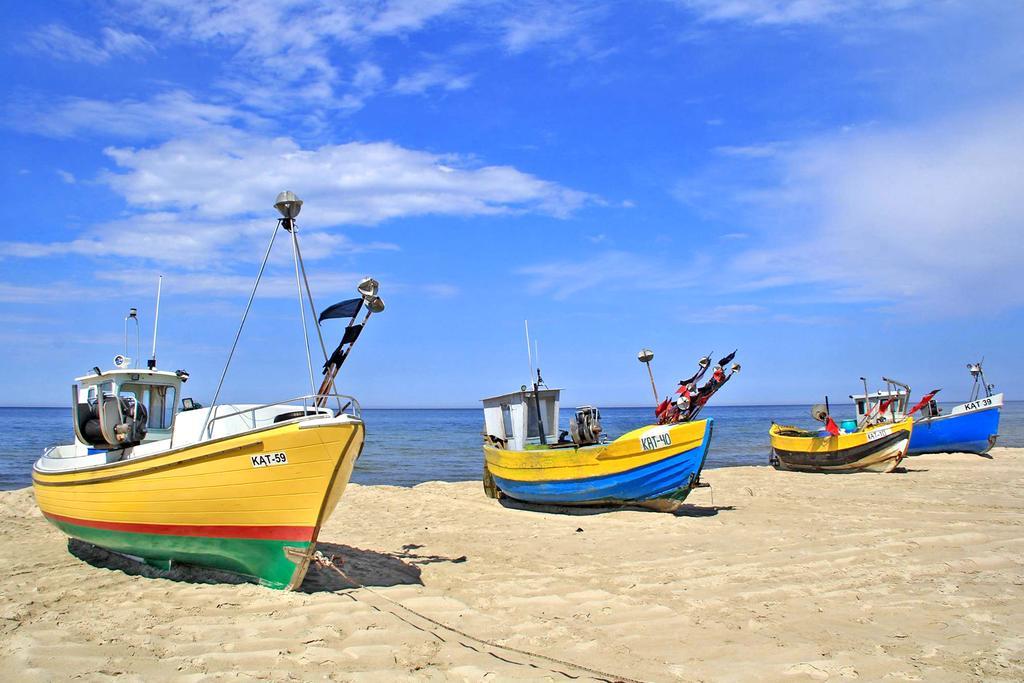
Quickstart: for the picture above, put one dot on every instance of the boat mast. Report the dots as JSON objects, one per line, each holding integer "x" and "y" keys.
{"x": 156, "y": 322}
{"x": 646, "y": 356}
{"x": 536, "y": 387}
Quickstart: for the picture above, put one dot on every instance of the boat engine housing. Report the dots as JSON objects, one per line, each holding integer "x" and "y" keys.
{"x": 585, "y": 428}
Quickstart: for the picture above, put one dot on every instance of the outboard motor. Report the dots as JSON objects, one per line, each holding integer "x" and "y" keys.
{"x": 585, "y": 428}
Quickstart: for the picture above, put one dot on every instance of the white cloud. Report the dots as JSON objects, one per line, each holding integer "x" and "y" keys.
{"x": 169, "y": 113}
{"x": 768, "y": 149}
{"x": 434, "y": 77}
{"x": 781, "y": 12}
{"x": 562, "y": 26}
{"x": 726, "y": 313}
{"x": 59, "y": 42}
{"x": 11, "y": 293}
{"x": 611, "y": 270}
{"x": 66, "y": 176}
{"x": 288, "y": 46}
{"x": 279, "y": 285}
{"x": 927, "y": 217}
{"x": 232, "y": 174}
{"x": 175, "y": 240}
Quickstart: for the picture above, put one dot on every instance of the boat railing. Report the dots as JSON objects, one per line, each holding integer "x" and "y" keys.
{"x": 347, "y": 405}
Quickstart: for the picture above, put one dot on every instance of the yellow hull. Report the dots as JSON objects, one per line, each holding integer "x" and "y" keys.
{"x": 214, "y": 504}
{"x": 878, "y": 449}
{"x": 650, "y": 463}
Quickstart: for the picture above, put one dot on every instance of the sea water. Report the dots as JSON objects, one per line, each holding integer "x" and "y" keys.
{"x": 408, "y": 447}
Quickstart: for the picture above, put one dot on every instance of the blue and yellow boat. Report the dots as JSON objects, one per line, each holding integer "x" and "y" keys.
{"x": 527, "y": 459}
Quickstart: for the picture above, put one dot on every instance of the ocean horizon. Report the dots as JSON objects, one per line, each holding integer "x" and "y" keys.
{"x": 409, "y": 446}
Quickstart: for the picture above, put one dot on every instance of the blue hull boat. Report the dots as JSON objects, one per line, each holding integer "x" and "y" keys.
{"x": 618, "y": 473}
{"x": 971, "y": 427}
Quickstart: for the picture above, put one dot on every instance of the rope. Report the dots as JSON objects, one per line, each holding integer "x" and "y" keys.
{"x": 327, "y": 562}
{"x": 248, "y": 305}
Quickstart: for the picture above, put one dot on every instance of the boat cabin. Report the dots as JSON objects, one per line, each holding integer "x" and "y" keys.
{"x": 114, "y": 409}
{"x": 511, "y": 419}
{"x": 868, "y": 405}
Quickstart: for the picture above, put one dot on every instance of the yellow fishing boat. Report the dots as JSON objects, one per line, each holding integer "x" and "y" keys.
{"x": 529, "y": 459}
{"x": 243, "y": 488}
{"x": 873, "y": 449}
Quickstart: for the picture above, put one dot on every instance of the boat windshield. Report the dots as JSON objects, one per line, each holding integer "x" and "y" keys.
{"x": 158, "y": 399}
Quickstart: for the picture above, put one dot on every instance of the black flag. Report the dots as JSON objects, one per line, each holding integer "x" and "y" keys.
{"x": 343, "y": 309}
{"x": 724, "y": 361}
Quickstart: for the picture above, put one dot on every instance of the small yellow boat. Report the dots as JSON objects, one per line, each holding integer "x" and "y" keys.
{"x": 529, "y": 459}
{"x": 243, "y": 488}
{"x": 872, "y": 449}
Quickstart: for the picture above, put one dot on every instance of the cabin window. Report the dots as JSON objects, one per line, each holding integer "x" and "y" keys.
{"x": 139, "y": 393}
{"x": 161, "y": 406}
{"x": 547, "y": 411}
{"x": 531, "y": 420}
{"x": 506, "y": 419}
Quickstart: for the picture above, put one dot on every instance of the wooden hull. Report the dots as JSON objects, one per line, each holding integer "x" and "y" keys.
{"x": 656, "y": 466}
{"x": 874, "y": 450}
{"x": 214, "y": 504}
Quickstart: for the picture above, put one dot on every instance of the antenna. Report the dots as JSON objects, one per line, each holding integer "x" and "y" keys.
{"x": 133, "y": 314}
{"x": 156, "y": 322}
{"x": 867, "y": 402}
{"x": 529, "y": 353}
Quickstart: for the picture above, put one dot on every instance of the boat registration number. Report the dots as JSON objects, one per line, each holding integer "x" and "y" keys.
{"x": 879, "y": 433}
{"x": 974, "y": 405}
{"x": 270, "y": 459}
{"x": 655, "y": 441}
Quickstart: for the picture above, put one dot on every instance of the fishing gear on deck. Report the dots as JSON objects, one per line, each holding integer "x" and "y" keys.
{"x": 350, "y": 309}
{"x": 925, "y": 400}
{"x": 702, "y": 366}
{"x": 690, "y": 399}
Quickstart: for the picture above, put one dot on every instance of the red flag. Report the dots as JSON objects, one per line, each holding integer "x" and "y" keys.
{"x": 923, "y": 402}
{"x": 885, "y": 405}
{"x": 831, "y": 427}
{"x": 662, "y": 407}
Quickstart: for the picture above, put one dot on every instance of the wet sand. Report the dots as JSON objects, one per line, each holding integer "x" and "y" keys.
{"x": 766, "y": 576}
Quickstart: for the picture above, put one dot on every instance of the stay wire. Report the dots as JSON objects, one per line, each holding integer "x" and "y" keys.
{"x": 312, "y": 307}
{"x": 327, "y": 562}
{"x": 302, "y": 310}
{"x": 238, "y": 334}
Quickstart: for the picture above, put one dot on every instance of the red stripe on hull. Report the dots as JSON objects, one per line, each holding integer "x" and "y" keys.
{"x": 269, "y": 533}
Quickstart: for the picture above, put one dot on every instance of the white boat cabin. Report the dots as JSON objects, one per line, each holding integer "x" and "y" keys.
{"x": 134, "y": 412}
{"x": 512, "y": 418}
{"x": 868, "y": 406}
{"x": 125, "y": 406}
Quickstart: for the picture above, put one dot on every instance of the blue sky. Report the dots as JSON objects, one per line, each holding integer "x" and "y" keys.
{"x": 835, "y": 187}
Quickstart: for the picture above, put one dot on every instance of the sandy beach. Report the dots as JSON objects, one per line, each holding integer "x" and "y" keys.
{"x": 765, "y": 576}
